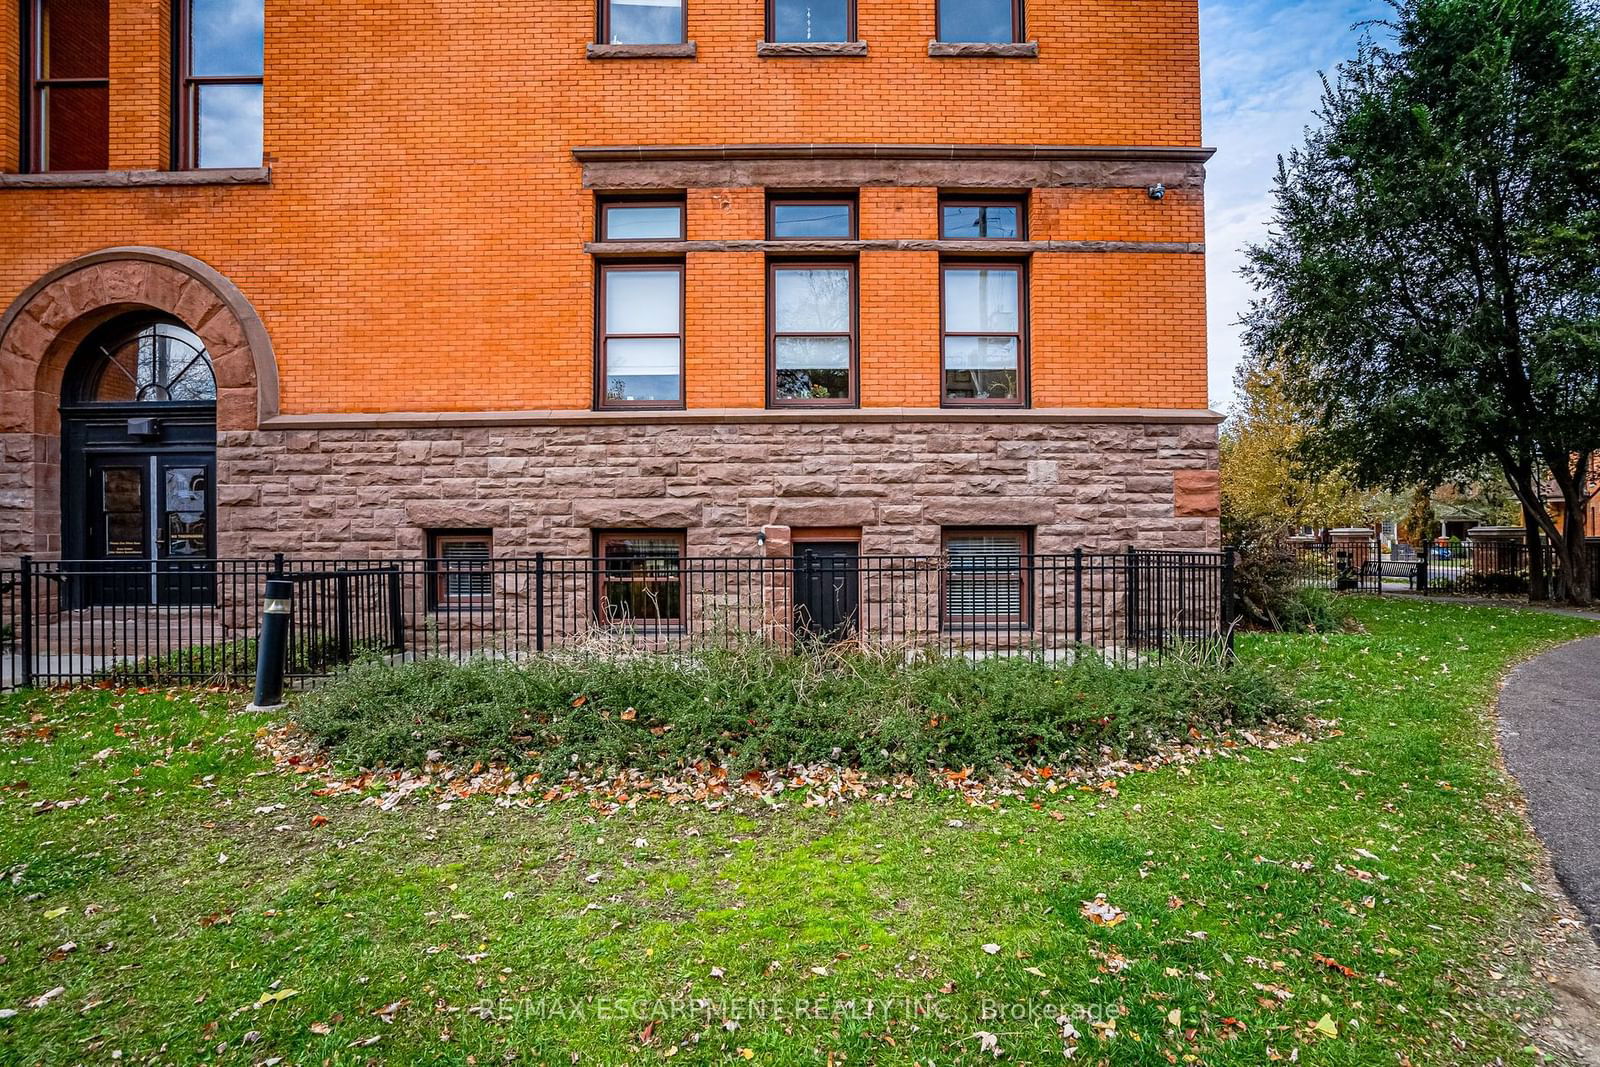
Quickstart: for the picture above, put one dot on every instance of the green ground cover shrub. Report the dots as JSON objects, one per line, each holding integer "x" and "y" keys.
{"x": 753, "y": 706}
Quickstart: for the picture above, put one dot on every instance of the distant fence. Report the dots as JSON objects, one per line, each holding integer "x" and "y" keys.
{"x": 1462, "y": 567}
{"x": 137, "y": 621}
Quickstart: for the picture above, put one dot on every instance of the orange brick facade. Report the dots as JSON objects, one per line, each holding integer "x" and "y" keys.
{"x": 420, "y": 244}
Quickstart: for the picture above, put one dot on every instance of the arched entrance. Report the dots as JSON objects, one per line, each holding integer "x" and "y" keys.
{"x": 138, "y": 462}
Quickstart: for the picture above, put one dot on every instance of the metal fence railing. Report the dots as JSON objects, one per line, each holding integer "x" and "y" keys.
{"x": 133, "y": 621}
{"x": 1457, "y": 566}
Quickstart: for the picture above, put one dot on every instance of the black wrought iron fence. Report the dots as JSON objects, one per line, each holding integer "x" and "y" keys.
{"x": 1455, "y": 566}
{"x": 128, "y": 622}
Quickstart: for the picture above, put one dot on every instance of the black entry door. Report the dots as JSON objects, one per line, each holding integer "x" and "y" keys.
{"x": 827, "y": 589}
{"x": 150, "y": 528}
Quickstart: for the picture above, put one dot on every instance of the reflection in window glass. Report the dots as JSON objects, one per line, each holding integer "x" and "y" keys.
{"x": 994, "y": 221}
{"x": 811, "y": 20}
{"x": 641, "y": 336}
{"x": 643, "y": 583}
{"x": 643, "y": 222}
{"x": 156, "y": 364}
{"x": 982, "y": 334}
{"x": 644, "y": 21}
{"x": 966, "y": 21}
{"x": 68, "y": 72}
{"x": 811, "y": 219}
{"x": 223, "y": 83}
{"x": 812, "y": 310}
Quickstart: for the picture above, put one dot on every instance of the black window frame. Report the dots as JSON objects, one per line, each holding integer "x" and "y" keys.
{"x": 33, "y": 116}
{"x": 440, "y": 570}
{"x": 1019, "y": 25}
{"x": 1023, "y": 619}
{"x": 850, "y": 200}
{"x": 853, "y": 31}
{"x": 1018, "y": 201}
{"x": 186, "y": 88}
{"x": 603, "y": 19}
{"x": 604, "y": 267}
{"x": 1024, "y": 377}
{"x": 603, "y": 201}
{"x": 777, "y": 263}
{"x": 602, "y": 538}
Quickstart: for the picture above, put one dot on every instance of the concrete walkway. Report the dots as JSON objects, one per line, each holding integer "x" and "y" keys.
{"x": 1550, "y": 734}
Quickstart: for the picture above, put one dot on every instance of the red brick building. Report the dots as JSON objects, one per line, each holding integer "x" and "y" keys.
{"x": 349, "y": 278}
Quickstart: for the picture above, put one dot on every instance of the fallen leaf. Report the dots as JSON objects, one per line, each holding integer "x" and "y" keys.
{"x": 1325, "y": 1026}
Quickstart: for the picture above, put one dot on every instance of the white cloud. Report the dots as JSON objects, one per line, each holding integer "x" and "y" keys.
{"x": 1260, "y": 61}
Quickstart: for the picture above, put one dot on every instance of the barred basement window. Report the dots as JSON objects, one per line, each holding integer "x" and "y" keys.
{"x": 641, "y": 581}
{"x": 459, "y": 568}
{"x": 986, "y": 582}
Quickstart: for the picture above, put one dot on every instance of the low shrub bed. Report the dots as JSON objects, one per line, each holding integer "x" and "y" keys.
{"x": 753, "y": 707}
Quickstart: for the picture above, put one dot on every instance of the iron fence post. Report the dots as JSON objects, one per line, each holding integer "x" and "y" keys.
{"x": 1133, "y": 601}
{"x": 277, "y": 564}
{"x": 341, "y": 597}
{"x": 397, "y": 623}
{"x": 538, "y": 602}
{"x": 25, "y": 623}
{"x": 1422, "y": 570}
{"x": 1228, "y": 614}
{"x": 1077, "y": 596}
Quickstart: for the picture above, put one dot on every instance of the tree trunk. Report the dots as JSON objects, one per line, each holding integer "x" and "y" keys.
{"x": 1572, "y": 551}
{"x": 1538, "y": 577}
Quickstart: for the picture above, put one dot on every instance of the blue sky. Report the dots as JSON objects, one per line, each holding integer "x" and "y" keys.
{"x": 1259, "y": 64}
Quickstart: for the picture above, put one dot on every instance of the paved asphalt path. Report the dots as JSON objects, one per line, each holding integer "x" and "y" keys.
{"x": 1550, "y": 734}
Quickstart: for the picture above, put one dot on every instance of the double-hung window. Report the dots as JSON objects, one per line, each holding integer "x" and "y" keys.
{"x": 811, "y": 333}
{"x": 985, "y": 357}
{"x": 219, "y": 85}
{"x": 640, "y": 357}
{"x": 811, "y": 21}
{"x": 67, "y": 61}
{"x": 980, "y": 21}
{"x": 987, "y": 577}
{"x": 642, "y": 21}
{"x": 641, "y": 577}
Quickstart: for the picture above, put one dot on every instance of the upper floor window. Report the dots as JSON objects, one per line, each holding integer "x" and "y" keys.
{"x": 828, "y": 21}
{"x": 641, "y": 335}
{"x": 220, "y": 58}
{"x": 641, "y": 21}
{"x": 640, "y": 220}
{"x": 68, "y": 73}
{"x": 984, "y": 359}
{"x": 989, "y": 21}
{"x": 810, "y": 218}
{"x": 811, "y": 333}
{"x": 962, "y": 218}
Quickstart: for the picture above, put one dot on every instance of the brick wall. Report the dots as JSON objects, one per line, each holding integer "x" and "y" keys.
{"x": 420, "y": 246}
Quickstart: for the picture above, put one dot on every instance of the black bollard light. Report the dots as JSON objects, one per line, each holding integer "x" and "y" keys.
{"x": 273, "y": 644}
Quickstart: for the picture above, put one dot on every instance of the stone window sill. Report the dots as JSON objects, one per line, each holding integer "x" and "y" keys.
{"x": 984, "y": 49}
{"x": 814, "y": 49}
{"x": 131, "y": 179}
{"x": 642, "y": 51}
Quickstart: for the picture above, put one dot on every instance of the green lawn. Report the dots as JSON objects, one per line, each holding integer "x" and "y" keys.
{"x": 845, "y": 936}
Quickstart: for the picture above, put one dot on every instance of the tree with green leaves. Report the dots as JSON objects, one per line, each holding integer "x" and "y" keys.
{"x": 1264, "y": 485}
{"x": 1430, "y": 291}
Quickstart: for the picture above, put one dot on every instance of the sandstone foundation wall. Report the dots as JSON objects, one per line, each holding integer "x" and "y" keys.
{"x": 548, "y": 487}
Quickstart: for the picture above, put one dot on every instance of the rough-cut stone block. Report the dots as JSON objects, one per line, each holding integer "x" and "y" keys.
{"x": 1197, "y": 493}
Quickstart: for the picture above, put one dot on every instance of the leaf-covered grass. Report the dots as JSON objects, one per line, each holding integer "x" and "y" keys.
{"x": 1393, "y": 849}
{"x": 751, "y": 706}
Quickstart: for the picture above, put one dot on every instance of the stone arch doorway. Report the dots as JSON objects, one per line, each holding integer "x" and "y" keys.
{"x": 138, "y": 462}
{"x": 52, "y": 363}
